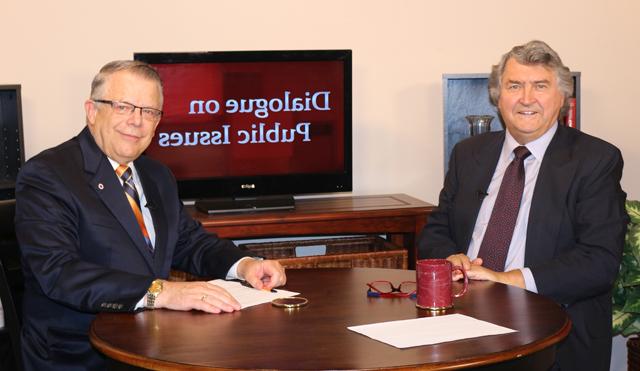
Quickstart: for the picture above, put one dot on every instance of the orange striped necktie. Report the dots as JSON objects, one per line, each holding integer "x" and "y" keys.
{"x": 126, "y": 174}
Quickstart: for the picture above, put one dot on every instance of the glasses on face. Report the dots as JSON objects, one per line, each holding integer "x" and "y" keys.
{"x": 386, "y": 289}
{"x": 126, "y": 109}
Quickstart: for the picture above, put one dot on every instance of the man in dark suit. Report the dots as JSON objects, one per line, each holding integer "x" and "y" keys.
{"x": 100, "y": 226}
{"x": 567, "y": 231}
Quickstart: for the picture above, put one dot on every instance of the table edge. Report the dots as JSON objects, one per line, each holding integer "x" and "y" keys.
{"x": 158, "y": 364}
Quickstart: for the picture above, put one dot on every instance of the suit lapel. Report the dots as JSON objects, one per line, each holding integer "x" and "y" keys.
{"x": 485, "y": 155}
{"x": 153, "y": 197}
{"x": 549, "y": 197}
{"x": 105, "y": 183}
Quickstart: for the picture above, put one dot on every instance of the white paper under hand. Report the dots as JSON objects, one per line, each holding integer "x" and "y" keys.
{"x": 429, "y": 330}
{"x": 247, "y": 296}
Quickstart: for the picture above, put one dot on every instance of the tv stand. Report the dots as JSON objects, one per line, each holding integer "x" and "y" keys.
{"x": 398, "y": 216}
{"x": 240, "y": 204}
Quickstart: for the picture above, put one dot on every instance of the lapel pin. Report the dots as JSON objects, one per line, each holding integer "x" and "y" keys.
{"x": 100, "y": 186}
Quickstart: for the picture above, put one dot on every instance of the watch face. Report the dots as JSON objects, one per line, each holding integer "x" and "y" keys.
{"x": 156, "y": 287}
{"x": 152, "y": 293}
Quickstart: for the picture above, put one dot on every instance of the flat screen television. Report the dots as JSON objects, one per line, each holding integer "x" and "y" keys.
{"x": 253, "y": 128}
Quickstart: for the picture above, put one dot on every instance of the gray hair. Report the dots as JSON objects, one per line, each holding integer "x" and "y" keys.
{"x": 532, "y": 53}
{"x": 138, "y": 68}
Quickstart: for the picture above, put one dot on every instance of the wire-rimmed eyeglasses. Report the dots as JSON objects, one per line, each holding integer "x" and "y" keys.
{"x": 386, "y": 289}
{"x": 126, "y": 108}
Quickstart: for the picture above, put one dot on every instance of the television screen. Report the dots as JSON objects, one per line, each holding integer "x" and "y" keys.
{"x": 255, "y": 123}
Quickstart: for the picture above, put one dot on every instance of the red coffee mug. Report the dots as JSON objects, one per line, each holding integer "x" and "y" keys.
{"x": 433, "y": 277}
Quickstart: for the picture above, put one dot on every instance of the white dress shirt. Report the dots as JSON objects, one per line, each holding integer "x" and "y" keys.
{"x": 146, "y": 213}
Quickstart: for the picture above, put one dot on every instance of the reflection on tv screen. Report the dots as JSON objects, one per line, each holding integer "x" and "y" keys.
{"x": 239, "y": 119}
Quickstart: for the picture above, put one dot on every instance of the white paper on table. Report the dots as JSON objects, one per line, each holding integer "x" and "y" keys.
{"x": 247, "y": 296}
{"x": 429, "y": 330}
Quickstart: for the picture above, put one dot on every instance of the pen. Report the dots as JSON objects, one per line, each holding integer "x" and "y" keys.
{"x": 247, "y": 284}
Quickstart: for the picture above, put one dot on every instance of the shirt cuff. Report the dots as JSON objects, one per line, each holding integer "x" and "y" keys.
{"x": 141, "y": 303}
{"x": 529, "y": 282}
{"x": 232, "y": 274}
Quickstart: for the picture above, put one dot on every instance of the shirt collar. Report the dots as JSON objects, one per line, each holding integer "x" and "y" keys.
{"x": 537, "y": 147}
{"x": 115, "y": 164}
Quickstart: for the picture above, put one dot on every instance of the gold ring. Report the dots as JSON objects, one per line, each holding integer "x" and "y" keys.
{"x": 203, "y": 297}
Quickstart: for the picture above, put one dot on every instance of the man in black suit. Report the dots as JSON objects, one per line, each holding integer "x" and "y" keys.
{"x": 569, "y": 226}
{"x": 100, "y": 226}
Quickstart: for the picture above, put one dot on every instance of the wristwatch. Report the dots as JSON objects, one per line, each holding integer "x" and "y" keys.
{"x": 152, "y": 293}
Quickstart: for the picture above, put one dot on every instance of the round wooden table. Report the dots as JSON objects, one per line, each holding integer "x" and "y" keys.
{"x": 316, "y": 337}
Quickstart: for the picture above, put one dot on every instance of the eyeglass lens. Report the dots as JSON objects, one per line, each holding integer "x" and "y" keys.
{"x": 127, "y": 108}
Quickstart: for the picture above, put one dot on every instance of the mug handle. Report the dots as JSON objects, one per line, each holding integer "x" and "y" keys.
{"x": 466, "y": 281}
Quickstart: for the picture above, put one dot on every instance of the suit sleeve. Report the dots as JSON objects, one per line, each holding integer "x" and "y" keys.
{"x": 47, "y": 227}
{"x": 197, "y": 251}
{"x": 436, "y": 239}
{"x": 590, "y": 247}
{"x": 202, "y": 253}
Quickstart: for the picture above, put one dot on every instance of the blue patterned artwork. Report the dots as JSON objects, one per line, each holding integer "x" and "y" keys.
{"x": 465, "y": 94}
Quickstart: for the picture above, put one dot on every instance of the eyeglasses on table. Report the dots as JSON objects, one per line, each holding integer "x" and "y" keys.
{"x": 386, "y": 289}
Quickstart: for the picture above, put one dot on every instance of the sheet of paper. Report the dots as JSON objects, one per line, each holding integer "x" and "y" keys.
{"x": 248, "y": 297}
{"x": 429, "y": 330}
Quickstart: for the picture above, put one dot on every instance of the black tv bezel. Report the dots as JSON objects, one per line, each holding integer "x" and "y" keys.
{"x": 265, "y": 184}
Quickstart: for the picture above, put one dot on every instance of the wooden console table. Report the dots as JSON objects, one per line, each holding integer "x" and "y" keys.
{"x": 399, "y": 216}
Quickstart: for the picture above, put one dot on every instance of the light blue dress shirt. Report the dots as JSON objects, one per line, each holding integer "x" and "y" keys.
{"x": 515, "y": 256}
